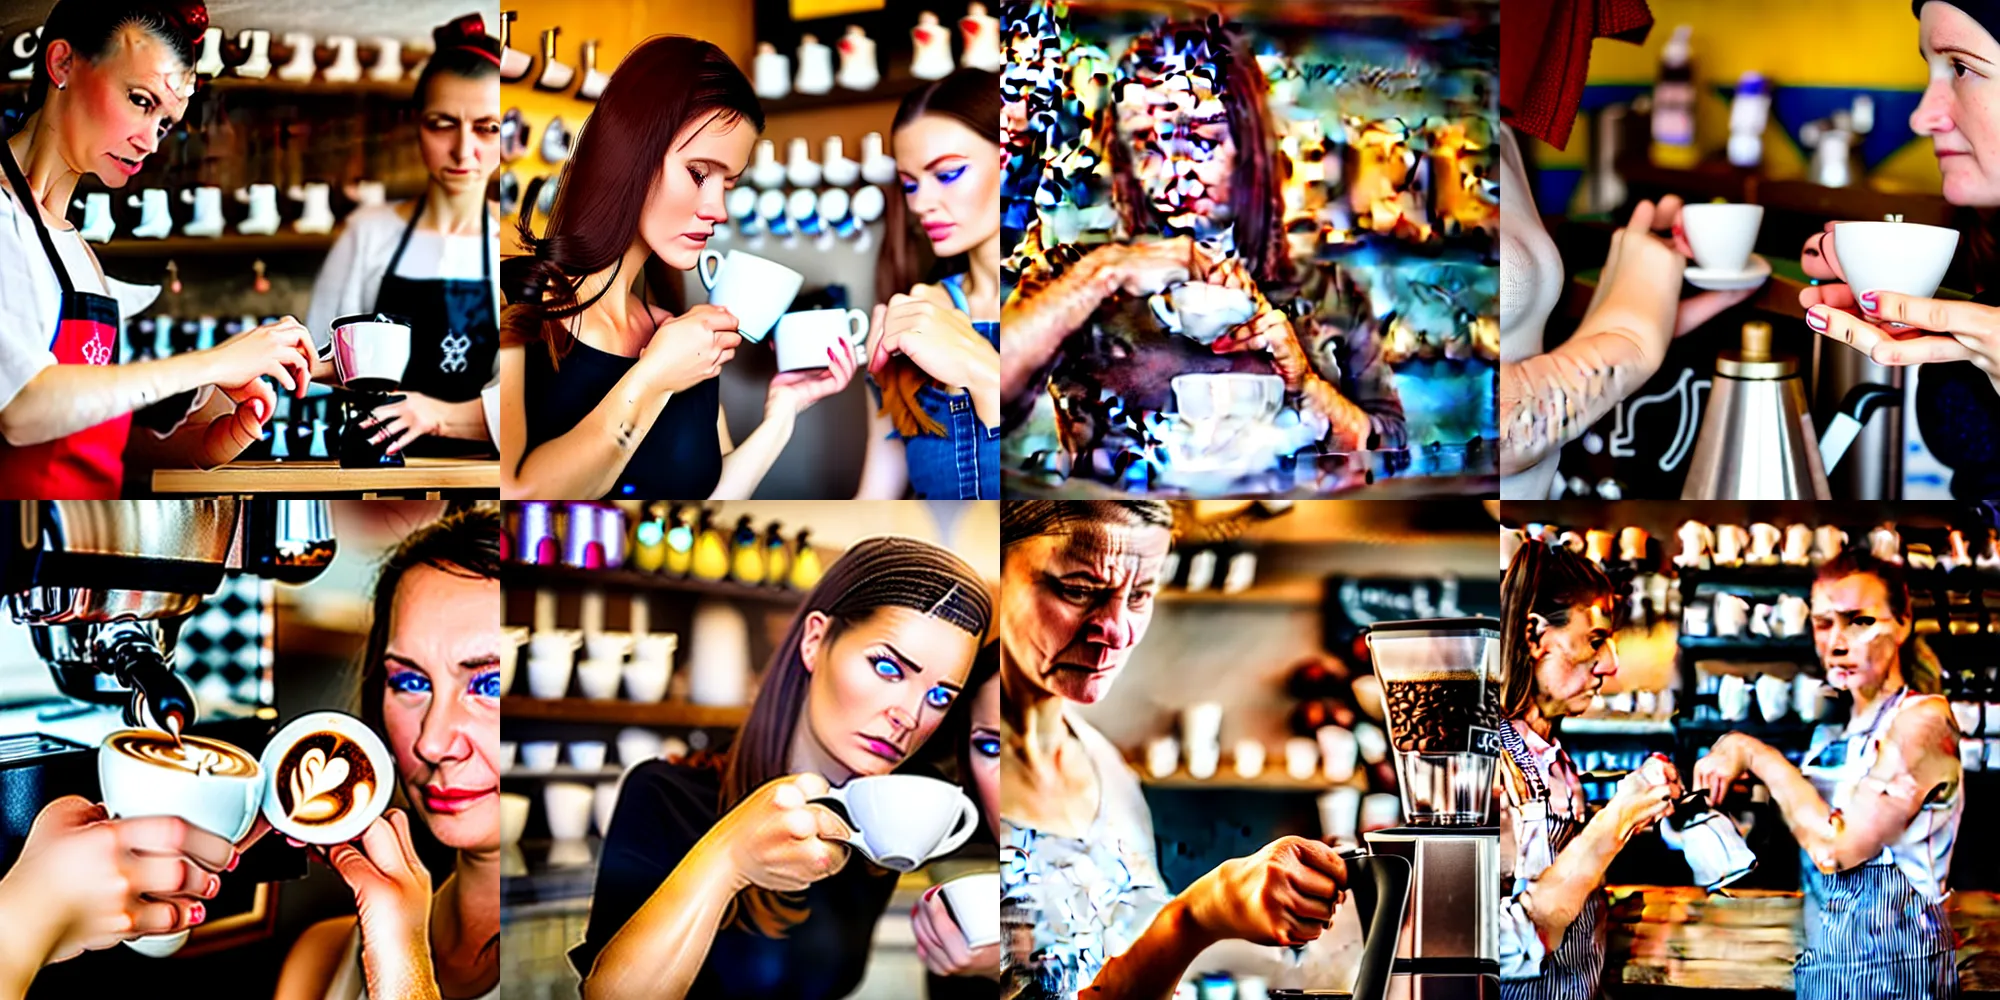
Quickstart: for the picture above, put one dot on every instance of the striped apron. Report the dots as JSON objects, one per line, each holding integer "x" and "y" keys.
{"x": 1870, "y": 935}
{"x": 1574, "y": 969}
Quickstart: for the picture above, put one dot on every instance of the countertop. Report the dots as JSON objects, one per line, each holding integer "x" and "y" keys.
{"x": 1680, "y": 936}
{"x": 429, "y": 476}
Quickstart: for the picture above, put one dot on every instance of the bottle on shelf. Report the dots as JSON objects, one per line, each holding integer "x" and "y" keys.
{"x": 746, "y": 557}
{"x": 777, "y": 558}
{"x": 649, "y": 538}
{"x": 711, "y": 555}
{"x": 680, "y": 540}
{"x": 805, "y": 562}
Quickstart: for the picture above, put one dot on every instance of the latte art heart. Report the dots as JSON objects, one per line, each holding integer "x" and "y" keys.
{"x": 323, "y": 778}
{"x": 312, "y": 784}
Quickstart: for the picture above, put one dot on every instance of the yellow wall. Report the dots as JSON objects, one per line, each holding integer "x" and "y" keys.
{"x": 1871, "y": 43}
{"x": 618, "y": 25}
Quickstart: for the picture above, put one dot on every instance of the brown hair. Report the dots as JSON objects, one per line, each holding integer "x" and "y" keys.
{"x": 464, "y": 543}
{"x": 876, "y": 573}
{"x": 1920, "y": 667}
{"x": 1021, "y": 520}
{"x": 970, "y": 97}
{"x": 90, "y": 26}
{"x": 1542, "y": 580}
{"x": 1255, "y": 181}
{"x": 662, "y": 87}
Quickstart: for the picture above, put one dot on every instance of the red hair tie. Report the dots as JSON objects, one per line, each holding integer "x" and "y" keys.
{"x": 469, "y": 33}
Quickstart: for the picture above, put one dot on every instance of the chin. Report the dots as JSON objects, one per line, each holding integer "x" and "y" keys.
{"x": 114, "y": 181}
{"x": 959, "y": 243}
{"x": 475, "y": 829}
{"x": 1969, "y": 188}
{"x": 679, "y": 256}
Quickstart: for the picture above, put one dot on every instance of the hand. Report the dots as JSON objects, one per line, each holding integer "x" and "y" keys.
{"x": 1970, "y": 331}
{"x": 1271, "y": 331}
{"x": 1818, "y": 259}
{"x": 85, "y": 881}
{"x": 925, "y": 327}
{"x": 227, "y": 435}
{"x": 392, "y": 903}
{"x": 1697, "y": 309}
{"x": 1637, "y": 805}
{"x": 691, "y": 348}
{"x": 281, "y": 350}
{"x": 779, "y": 841}
{"x": 1281, "y": 895}
{"x": 797, "y": 390}
{"x": 400, "y": 423}
{"x": 1728, "y": 759}
{"x": 941, "y": 944}
{"x": 1145, "y": 268}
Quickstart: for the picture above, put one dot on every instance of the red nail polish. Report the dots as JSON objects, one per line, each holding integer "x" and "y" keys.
{"x": 196, "y": 914}
{"x": 1869, "y": 303}
{"x": 233, "y": 859}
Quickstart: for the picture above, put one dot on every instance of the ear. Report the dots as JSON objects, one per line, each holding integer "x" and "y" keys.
{"x": 1538, "y": 626}
{"x": 61, "y": 59}
{"x": 813, "y": 639}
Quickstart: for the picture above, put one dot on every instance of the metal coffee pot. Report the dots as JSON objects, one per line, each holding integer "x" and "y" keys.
{"x": 1709, "y": 841}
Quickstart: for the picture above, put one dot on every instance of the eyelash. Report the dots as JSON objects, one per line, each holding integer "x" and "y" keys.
{"x": 699, "y": 177}
{"x": 409, "y": 682}
{"x": 946, "y": 177}
{"x": 986, "y": 746}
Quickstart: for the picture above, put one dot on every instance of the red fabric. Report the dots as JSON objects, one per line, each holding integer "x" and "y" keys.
{"x": 1545, "y": 55}
{"x": 86, "y": 465}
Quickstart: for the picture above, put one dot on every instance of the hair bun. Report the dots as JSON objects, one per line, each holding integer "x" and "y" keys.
{"x": 193, "y": 18}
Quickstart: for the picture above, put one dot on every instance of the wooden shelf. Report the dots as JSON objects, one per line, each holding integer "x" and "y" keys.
{"x": 521, "y": 772}
{"x": 528, "y": 576}
{"x": 627, "y": 713}
{"x": 281, "y": 242}
{"x": 1299, "y": 592}
{"x": 400, "y": 89}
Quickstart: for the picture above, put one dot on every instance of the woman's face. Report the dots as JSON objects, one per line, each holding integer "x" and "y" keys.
{"x": 441, "y": 703}
{"x": 1181, "y": 148}
{"x": 115, "y": 112}
{"x": 1854, "y": 632}
{"x": 882, "y": 685}
{"x": 1074, "y": 605}
{"x": 1960, "y": 110}
{"x": 461, "y": 132}
{"x": 951, "y": 182}
{"x": 1572, "y": 660}
{"x": 685, "y": 203}
{"x": 985, "y": 750}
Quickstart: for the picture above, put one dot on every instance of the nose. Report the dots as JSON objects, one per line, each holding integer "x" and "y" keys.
{"x": 445, "y": 733}
{"x": 147, "y": 143}
{"x": 1607, "y": 662}
{"x": 1112, "y": 626}
{"x": 713, "y": 206}
{"x": 903, "y": 720}
{"x": 1933, "y": 113}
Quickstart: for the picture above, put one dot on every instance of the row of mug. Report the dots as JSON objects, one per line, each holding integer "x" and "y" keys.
{"x": 1333, "y": 752}
{"x": 551, "y": 657}
{"x": 1760, "y": 544}
{"x": 1729, "y": 615}
{"x": 1774, "y": 697}
{"x": 757, "y": 292}
{"x": 635, "y": 746}
{"x": 1649, "y": 704}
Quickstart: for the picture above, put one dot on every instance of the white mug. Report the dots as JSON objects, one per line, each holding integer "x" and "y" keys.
{"x": 807, "y": 339}
{"x": 1201, "y": 311}
{"x": 1808, "y": 697}
{"x": 1722, "y": 236}
{"x": 1774, "y": 695}
{"x": 1730, "y": 541}
{"x": 974, "y": 903}
{"x": 370, "y": 348}
{"x": 1733, "y": 698}
{"x": 1764, "y": 541}
{"x": 1894, "y": 256}
{"x": 900, "y": 821}
{"x": 1713, "y": 848}
{"x": 1732, "y": 615}
{"x": 754, "y": 290}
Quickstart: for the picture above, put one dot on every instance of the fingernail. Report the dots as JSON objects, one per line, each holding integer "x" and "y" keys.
{"x": 233, "y": 859}
{"x": 1868, "y": 303}
{"x": 214, "y": 885}
{"x": 1816, "y": 318}
{"x": 196, "y": 914}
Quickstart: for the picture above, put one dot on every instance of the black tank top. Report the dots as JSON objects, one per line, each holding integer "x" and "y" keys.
{"x": 680, "y": 459}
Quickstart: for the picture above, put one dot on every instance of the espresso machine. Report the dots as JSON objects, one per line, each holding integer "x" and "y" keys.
{"x": 1441, "y": 682}
{"x": 103, "y": 588}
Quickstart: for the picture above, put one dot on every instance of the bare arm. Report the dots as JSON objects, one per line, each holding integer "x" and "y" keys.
{"x": 587, "y": 460}
{"x": 1554, "y": 898}
{"x": 63, "y": 399}
{"x": 1918, "y": 758}
{"x": 660, "y": 951}
{"x": 744, "y": 465}
{"x": 885, "y": 470}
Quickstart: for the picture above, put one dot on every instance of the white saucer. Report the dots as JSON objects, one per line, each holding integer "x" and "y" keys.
{"x": 1755, "y": 273}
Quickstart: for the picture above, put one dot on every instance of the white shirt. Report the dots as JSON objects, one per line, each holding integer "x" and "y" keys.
{"x": 352, "y": 276}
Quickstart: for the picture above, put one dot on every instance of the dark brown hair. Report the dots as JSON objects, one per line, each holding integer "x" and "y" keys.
{"x": 464, "y": 543}
{"x": 664, "y": 86}
{"x": 1021, "y": 520}
{"x": 90, "y": 26}
{"x": 1921, "y": 670}
{"x": 464, "y": 49}
{"x": 876, "y": 573}
{"x": 970, "y": 97}
{"x": 1255, "y": 184}
{"x": 1542, "y": 580}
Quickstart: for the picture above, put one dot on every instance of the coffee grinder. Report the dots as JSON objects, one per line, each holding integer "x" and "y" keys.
{"x": 103, "y": 587}
{"x": 370, "y": 353}
{"x": 1441, "y": 691}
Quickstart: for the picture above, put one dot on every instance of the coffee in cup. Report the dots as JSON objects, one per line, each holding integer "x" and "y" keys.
{"x": 1722, "y": 236}
{"x": 327, "y": 777}
{"x": 754, "y": 290}
{"x": 900, "y": 821}
{"x": 804, "y": 338}
{"x": 1201, "y": 311}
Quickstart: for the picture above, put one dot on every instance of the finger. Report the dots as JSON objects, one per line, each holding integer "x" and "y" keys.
{"x": 1300, "y": 930}
{"x": 1836, "y": 295}
{"x": 282, "y": 375}
{"x": 1316, "y": 909}
{"x": 401, "y": 819}
{"x": 170, "y": 835}
{"x": 826, "y": 824}
{"x": 257, "y": 832}
{"x": 1697, "y": 310}
{"x": 876, "y": 356}
{"x": 1308, "y": 881}
{"x": 1937, "y": 315}
{"x": 1324, "y": 859}
{"x": 164, "y": 876}
{"x": 1921, "y": 349}
{"x": 729, "y": 340}
{"x": 167, "y": 916}
{"x": 1846, "y": 328}
{"x": 401, "y": 440}
{"x": 1667, "y": 214}
{"x": 946, "y": 931}
{"x": 928, "y": 946}
{"x": 811, "y": 784}
{"x": 378, "y": 839}
{"x": 1642, "y": 217}
{"x": 354, "y": 867}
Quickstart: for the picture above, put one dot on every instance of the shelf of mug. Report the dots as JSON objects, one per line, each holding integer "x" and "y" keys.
{"x": 1731, "y": 647}
{"x": 398, "y": 89}
{"x": 891, "y": 88}
{"x": 1788, "y": 727}
{"x": 628, "y": 713}
{"x": 518, "y": 772}
{"x": 1225, "y": 779}
{"x": 1618, "y": 725}
{"x": 528, "y": 576}
{"x": 280, "y": 242}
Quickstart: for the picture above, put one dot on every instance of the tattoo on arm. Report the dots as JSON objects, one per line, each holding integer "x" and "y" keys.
{"x": 1548, "y": 400}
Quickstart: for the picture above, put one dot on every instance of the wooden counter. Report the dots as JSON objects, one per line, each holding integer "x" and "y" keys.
{"x": 427, "y": 476}
{"x": 1683, "y": 937}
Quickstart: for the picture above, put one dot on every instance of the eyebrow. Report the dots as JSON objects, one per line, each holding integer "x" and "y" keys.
{"x": 487, "y": 660}
{"x": 948, "y": 156}
{"x": 904, "y": 659}
{"x": 159, "y": 105}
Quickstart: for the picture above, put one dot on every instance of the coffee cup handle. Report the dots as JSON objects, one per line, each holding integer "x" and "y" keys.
{"x": 857, "y": 330}
{"x": 968, "y": 820}
{"x": 1163, "y": 310}
{"x": 838, "y": 795}
{"x": 708, "y": 274}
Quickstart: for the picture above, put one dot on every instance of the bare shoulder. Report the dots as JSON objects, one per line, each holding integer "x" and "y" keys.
{"x": 1925, "y": 728}
{"x": 314, "y": 957}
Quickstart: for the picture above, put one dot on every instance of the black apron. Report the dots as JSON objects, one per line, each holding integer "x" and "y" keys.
{"x": 458, "y": 363}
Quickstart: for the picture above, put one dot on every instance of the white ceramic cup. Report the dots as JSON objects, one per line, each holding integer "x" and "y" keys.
{"x": 754, "y": 290}
{"x": 513, "y": 817}
{"x": 568, "y": 806}
{"x": 1722, "y": 236}
{"x": 1338, "y": 750}
{"x": 1774, "y": 696}
{"x": 598, "y": 679}
{"x": 555, "y": 644}
{"x": 1894, "y": 256}
{"x": 548, "y": 677}
{"x": 1301, "y": 758}
{"x": 974, "y": 903}
{"x": 509, "y": 752}
{"x": 607, "y": 645}
{"x": 1339, "y": 813}
{"x": 1732, "y": 697}
{"x": 370, "y": 348}
{"x": 1211, "y": 395}
{"x": 1201, "y": 311}
{"x": 900, "y": 821}
{"x": 540, "y": 756}
{"x": 804, "y": 339}
{"x": 1732, "y": 615}
{"x": 1249, "y": 759}
{"x": 636, "y": 745}
{"x": 1808, "y": 697}
{"x": 1163, "y": 756}
{"x": 587, "y": 755}
{"x": 646, "y": 680}
{"x": 1201, "y": 725}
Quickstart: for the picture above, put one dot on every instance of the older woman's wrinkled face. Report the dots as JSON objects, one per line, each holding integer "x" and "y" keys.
{"x": 1572, "y": 660}
{"x": 1073, "y": 606}
{"x": 1961, "y": 106}
{"x": 1180, "y": 145}
{"x": 115, "y": 111}
{"x": 1857, "y": 636}
{"x": 461, "y": 132}
{"x": 685, "y": 203}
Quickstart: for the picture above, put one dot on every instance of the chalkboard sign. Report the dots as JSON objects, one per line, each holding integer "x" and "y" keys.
{"x": 1352, "y": 604}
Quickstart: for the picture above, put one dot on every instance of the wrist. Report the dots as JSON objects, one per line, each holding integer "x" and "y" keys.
{"x": 1190, "y": 931}
{"x": 31, "y": 937}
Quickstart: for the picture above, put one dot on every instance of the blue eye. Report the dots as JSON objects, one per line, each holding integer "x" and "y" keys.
{"x": 487, "y": 685}
{"x": 887, "y": 668}
{"x": 986, "y": 746}
{"x": 412, "y": 682}
{"x": 939, "y": 697}
{"x": 909, "y": 187}
{"x": 952, "y": 174}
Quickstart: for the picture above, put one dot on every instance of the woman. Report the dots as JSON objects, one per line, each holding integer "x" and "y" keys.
{"x": 606, "y": 394}
{"x": 1549, "y": 399}
{"x": 1556, "y": 625}
{"x": 430, "y": 684}
{"x": 111, "y": 80}
{"x": 934, "y": 350}
{"x": 940, "y": 943}
{"x": 1203, "y": 177}
{"x": 1876, "y": 804}
{"x": 725, "y": 881}
{"x": 431, "y": 262}
{"x": 1077, "y": 586}
{"x": 1958, "y": 404}
{"x": 84, "y": 881}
